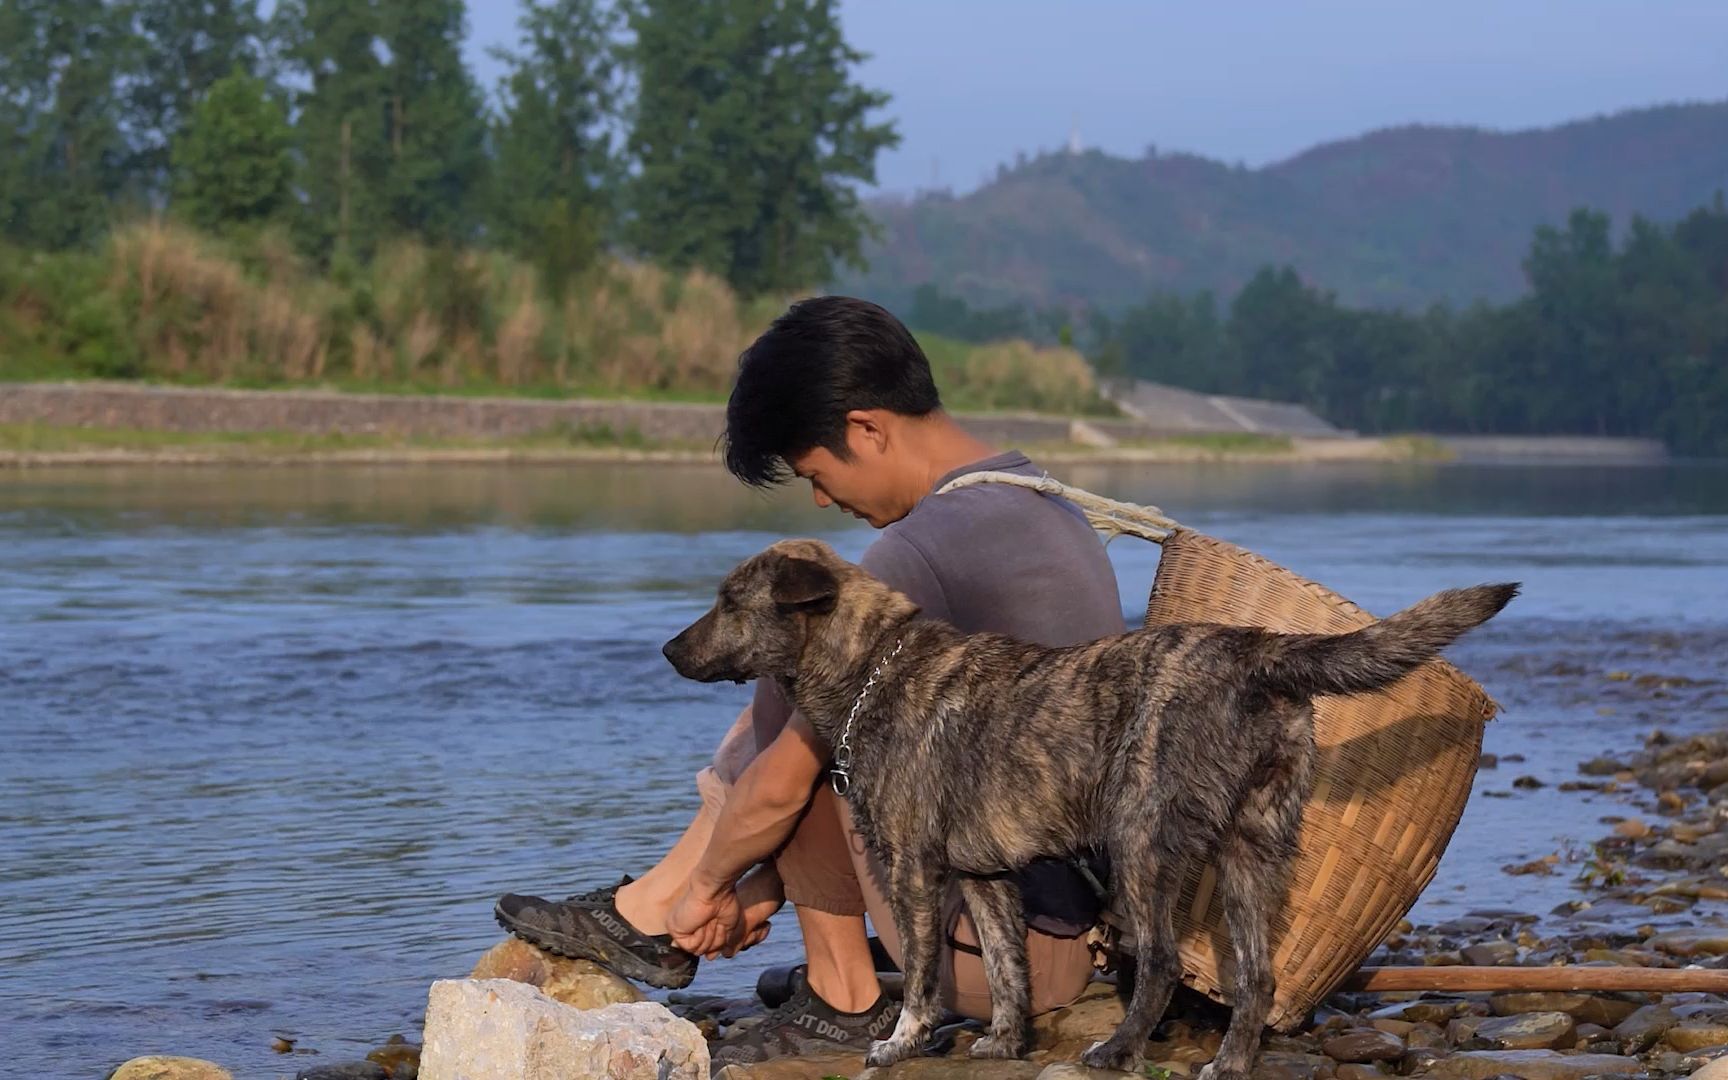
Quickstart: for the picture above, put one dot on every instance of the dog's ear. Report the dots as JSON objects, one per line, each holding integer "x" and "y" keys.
{"x": 803, "y": 585}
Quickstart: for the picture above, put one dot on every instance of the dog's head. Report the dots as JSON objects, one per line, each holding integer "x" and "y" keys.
{"x": 772, "y": 605}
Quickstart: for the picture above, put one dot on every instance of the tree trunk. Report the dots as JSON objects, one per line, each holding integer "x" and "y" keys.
{"x": 342, "y": 186}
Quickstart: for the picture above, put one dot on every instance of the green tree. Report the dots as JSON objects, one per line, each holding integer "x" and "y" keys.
{"x": 434, "y": 120}
{"x": 1175, "y": 340}
{"x": 62, "y": 146}
{"x": 191, "y": 45}
{"x": 555, "y": 175}
{"x": 749, "y": 137}
{"x": 1284, "y": 337}
{"x": 232, "y": 165}
{"x": 341, "y": 135}
{"x": 1569, "y": 382}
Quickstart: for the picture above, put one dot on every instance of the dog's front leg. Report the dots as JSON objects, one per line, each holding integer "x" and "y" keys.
{"x": 915, "y": 895}
{"x": 995, "y": 907}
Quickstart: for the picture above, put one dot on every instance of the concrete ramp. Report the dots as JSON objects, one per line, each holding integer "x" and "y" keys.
{"x": 1170, "y": 408}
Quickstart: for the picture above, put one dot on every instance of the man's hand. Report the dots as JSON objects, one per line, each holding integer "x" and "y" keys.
{"x": 707, "y": 924}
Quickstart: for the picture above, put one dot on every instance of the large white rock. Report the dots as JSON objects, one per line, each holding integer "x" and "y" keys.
{"x": 496, "y": 1029}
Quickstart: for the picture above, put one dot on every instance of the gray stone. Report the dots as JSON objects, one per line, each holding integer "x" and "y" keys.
{"x": 1532, "y": 1065}
{"x": 352, "y": 1070}
{"x": 1299, "y": 1066}
{"x": 1640, "y": 1031}
{"x": 1069, "y": 1070}
{"x": 1363, "y": 1045}
{"x": 811, "y": 1067}
{"x": 1430, "y": 1011}
{"x": 483, "y": 1028}
{"x": 1590, "y": 1008}
{"x": 162, "y": 1067}
{"x": 1716, "y": 1070}
{"x": 1689, "y": 1035}
{"x": 1707, "y": 941}
{"x": 1529, "y": 1031}
{"x": 1490, "y": 953}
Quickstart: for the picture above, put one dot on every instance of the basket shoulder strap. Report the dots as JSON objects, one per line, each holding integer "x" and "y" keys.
{"x": 1110, "y": 517}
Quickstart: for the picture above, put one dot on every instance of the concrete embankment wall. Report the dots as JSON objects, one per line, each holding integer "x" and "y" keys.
{"x": 698, "y": 426}
{"x": 311, "y": 412}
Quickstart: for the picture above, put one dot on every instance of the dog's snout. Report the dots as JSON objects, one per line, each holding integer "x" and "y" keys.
{"x": 675, "y": 652}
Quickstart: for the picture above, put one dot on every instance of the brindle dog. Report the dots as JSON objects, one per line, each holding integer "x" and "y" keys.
{"x": 973, "y": 754}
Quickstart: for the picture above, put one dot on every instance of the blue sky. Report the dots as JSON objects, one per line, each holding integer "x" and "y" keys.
{"x": 975, "y": 81}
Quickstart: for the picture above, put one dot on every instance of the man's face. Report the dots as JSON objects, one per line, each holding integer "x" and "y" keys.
{"x": 863, "y": 486}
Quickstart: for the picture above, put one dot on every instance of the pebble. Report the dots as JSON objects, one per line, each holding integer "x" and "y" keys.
{"x": 163, "y": 1067}
{"x": 399, "y": 1056}
{"x": 1362, "y": 1045}
{"x": 1433, "y": 1012}
{"x": 1632, "y": 829}
{"x": 1592, "y": 1008}
{"x": 1528, "y": 1031}
{"x": 1528, "y": 783}
{"x": 1689, "y": 1035}
{"x": 1532, "y": 1065}
{"x": 1707, "y": 941}
{"x": 1642, "y": 1029}
{"x": 577, "y": 983}
{"x": 1491, "y": 953}
{"x": 353, "y": 1070}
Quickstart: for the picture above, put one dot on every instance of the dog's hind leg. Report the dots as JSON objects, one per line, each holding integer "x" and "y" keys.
{"x": 915, "y": 889}
{"x": 1253, "y": 874}
{"x": 995, "y": 907}
{"x": 1146, "y": 884}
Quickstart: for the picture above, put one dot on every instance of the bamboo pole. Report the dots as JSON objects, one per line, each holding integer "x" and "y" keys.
{"x": 1458, "y": 978}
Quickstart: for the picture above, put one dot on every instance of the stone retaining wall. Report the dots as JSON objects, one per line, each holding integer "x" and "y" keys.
{"x": 312, "y": 412}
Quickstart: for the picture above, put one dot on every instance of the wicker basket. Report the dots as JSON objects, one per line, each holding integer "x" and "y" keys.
{"x": 1393, "y": 773}
{"x": 1392, "y": 776}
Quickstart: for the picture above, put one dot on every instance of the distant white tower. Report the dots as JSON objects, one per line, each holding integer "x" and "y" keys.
{"x": 1074, "y": 136}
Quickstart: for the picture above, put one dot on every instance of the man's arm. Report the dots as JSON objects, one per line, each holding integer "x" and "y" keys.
{"x": 768, "y": 798}
{"x": 760, "y": 814}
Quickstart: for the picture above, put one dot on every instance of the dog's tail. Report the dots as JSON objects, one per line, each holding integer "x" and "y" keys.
{"x": 1303, "y": 665}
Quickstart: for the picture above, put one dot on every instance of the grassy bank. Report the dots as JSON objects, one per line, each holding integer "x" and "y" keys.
{"x": 165, "y": 304}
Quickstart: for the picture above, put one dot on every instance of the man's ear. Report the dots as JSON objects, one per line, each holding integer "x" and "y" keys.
{"x": 865, "y": 425}
{"x": 804, "y": 585}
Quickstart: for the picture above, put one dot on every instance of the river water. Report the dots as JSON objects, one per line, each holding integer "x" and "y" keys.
{"x": 272, "y": 740}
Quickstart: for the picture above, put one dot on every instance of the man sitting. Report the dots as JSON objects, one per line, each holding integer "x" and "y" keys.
{"x": 836, "y": 392}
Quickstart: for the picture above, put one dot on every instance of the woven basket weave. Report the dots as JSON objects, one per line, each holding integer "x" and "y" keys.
{"x": 1391, "y": 778}
{"x": 1393, "y": 773}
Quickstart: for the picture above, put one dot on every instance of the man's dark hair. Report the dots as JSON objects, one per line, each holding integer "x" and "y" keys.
{"x": 796, "y": 383}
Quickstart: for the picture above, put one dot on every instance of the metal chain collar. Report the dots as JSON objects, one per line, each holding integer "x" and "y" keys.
{"x": 841, "y": 774}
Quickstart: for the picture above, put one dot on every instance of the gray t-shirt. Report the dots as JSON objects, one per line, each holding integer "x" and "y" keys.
{"x": 1001, "y": 559}
{"x": 989, "y": 558}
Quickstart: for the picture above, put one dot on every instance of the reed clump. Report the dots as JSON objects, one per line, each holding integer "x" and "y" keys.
{"x": 164, "y": 302}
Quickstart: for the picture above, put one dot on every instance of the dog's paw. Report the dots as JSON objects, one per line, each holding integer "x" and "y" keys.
{"x": 997, "y": 1046}
{"x": 1111, "y": 1055}
{"x": 887, "y": 1051}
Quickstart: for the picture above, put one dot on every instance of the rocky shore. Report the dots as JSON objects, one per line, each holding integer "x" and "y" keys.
{"x": 1651, "y": 893}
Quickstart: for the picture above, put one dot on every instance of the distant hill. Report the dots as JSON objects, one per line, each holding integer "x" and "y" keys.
{"x": 1396, "y": 218}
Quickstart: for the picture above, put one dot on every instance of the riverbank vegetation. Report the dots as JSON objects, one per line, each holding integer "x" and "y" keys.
{"x": 1622, "y": 336}
{"x": 325, "y": 195}
{"x": 163, "y": 302}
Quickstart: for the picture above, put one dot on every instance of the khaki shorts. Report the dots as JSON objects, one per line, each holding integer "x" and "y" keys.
{"x": 825, "y": 866}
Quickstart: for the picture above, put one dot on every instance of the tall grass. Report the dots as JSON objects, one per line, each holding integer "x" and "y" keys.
{"x": 164, "y": 302}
